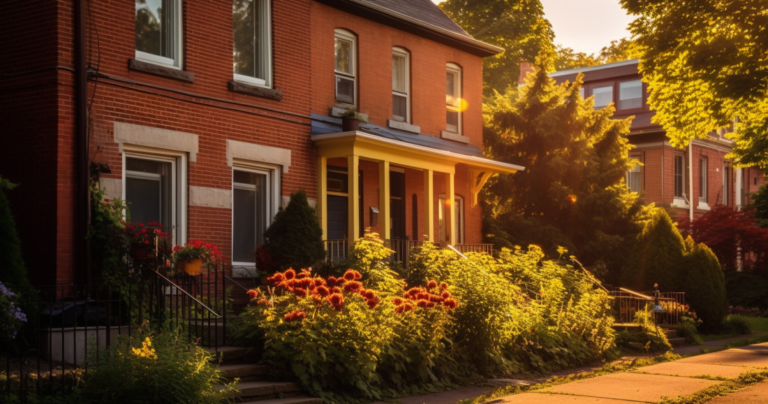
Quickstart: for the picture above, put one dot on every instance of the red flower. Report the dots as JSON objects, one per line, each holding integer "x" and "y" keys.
{"x": 450, "y": 303}
{"x": 369, "y": 294}
{"x": 422, "y": 303}
{"x": 397, "y": 301}
{"x": 351, "y": 275}
{"x": 443, "y": 286}
{"x": 319, "y": 282}
{"x": 300, "y": 293}
{"x": 253, "y": 294}
{"x": 322, "y": 291}
{"x": 352, "y": 286}
{"x": 295, "y": 315}
{"x": 290, "y": 274}
{"x": 431, "y": 285}
{"x": 372, "y": 303}
{"x": 399, "y": 309}
{"x": 331, "y": 282}
{"x": 276, "y": 279}
{"x": 146, "y": 241}
{"x": 302, "y": 275}
{"x": 263, "y": 301}
{"x": 445, "y": 295}
{"x": 336, "y": 300}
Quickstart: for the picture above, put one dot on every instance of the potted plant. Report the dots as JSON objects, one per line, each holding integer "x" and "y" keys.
{"x": 147, "y": 241}
{"x": 190, "y": 258}
{"x": 350, "y": 120}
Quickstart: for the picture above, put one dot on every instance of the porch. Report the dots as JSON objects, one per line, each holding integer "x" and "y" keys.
{"x": 408, "y": 188}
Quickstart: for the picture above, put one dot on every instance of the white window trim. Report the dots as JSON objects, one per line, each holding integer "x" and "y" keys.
{"x": 620, "y": 100}
{"x": 460, "y": 218}
{"x": 273, "y": 186}
{"x": 404, "y": 53}
{"x": 452, "y": 67}
{"x": 179, "y": 160}
{"x": 267, "y": 32}
{"x": 174, "y": 63}
{"x": 348, "y": 36}
{"x": 592, "y": 94}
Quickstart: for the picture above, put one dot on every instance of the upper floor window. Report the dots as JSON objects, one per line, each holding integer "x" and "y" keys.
{"x": 453, "y": 98}
{"x": 158, "y": 31}
{"x": 400, "y": 85}
{"x": 252, "y": 53}
{"x": 344, "y": 51}
{"x": 603, "y": 96}
{"x": 679, "y": 176}
{"x": 631, "y": 94}
{"x": 634, "y": 177}
{"x": 703, "y": 180}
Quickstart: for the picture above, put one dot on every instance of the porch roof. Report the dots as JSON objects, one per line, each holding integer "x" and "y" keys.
{"x": 327, "y": 131}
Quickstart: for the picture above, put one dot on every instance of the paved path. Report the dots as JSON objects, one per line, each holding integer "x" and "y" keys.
{"x": 714, "y": 345}
{"x": 652, "y": 383}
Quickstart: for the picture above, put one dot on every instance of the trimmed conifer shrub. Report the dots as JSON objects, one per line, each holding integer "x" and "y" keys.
{"x": 295, "y": 239}
{"x": 657, "y": 256}
{"x": 14, "y": 273}
{"x": 704, "y": 284}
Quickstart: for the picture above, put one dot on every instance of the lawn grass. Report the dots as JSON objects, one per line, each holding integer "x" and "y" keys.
{"x": 615, "y": 367}
{"x": 756, "y": 324}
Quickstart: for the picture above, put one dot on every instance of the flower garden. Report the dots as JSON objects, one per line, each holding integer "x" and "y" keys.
{"x": 371, "y": 332}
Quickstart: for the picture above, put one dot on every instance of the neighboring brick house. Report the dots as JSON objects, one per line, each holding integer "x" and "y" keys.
{"x": 211, "y": 146}
{"x": 690, "y": 180}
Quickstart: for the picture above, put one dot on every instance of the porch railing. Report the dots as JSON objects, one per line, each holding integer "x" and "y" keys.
{"x": 337, "y": 250}
{"x": 628, "y": 302}
{"x": 56, "y": 344}
{"x": 475, "y": 248}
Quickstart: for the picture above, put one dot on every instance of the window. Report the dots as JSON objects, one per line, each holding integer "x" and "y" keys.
{"x": 634, "y": 176}
{"x": 400, "y": 85}
{"x": 254, "y": 202}
{"x": 679, "y": 177}
{"x": 344, "y": 51}
{"x": 453, "y": 98}
{"x": 703, "y": 180}
{"x": 726, "y": 177}
{"x": 459, "y": 215}
{"x": 581, "y": 92}
{"x": 603, "y": 96}
{"x": 158, "y": 31}
{"x": 631, "y": 94}
{"x": 252, "y": 53}
{"x": 152, "y": 192}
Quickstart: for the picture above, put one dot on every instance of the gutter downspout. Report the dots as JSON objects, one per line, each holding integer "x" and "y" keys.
{"x": 83, "y": 192}
{"x": 690, "y": 183}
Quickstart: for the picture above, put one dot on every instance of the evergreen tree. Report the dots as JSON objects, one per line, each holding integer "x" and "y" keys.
{"x": 295, "y": 239}
{"x": 658, "y": 256}
{"x": 13, "y": 273}
{"x": 572, "y": 191}
{"x": 518, "y": 26}
{"x": 704, "y": 284}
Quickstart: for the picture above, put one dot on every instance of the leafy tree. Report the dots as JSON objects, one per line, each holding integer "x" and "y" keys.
{"x": 728, "y": 232}
{"x": 706, "y": 64}
{"x": 518, "y": 26}
{"x": 760, "y": 206}
{"x": 572, "y": 190}
{"x": 657, "y": 256}
{"x": 618, "y": 51}
{"x": 295, "y": 239}
{"x": 567, "y": 58}
{"x": 704, "y": 284}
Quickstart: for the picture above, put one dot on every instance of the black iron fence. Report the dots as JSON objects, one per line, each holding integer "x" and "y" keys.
{"x": 73, "y": 324}
{"x": 628, "y": 302}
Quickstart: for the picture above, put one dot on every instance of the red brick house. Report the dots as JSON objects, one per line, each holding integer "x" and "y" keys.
{"x": 692, "y": 180}
{"x": 206, "y": 116}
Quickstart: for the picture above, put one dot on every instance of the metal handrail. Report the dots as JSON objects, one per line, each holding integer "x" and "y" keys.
{"x": 632, "y": 292}
{"x": 186, "y": 293}
{"x": 236, "y": 283}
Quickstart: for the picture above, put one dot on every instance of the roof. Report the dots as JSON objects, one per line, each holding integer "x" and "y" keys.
{"x": 419, "y": 17}
{"x": 594, "y": 68}
{"x": 322, "y": 125}
{"x": 424, "y": 10}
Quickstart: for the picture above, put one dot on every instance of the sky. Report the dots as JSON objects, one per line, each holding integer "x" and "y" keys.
{"x": 585, "y": 25}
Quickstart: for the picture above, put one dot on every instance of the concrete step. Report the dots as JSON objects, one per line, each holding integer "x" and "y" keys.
{"x": 676, "y": 342}
{"x": 232, "y": 353}
{"x": 245, "y": 372}
{"x": 288, "y": 400}
{"x": 265, "y": 389}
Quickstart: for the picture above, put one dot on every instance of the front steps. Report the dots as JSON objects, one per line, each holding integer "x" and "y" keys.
{"x": 236, "y": 362}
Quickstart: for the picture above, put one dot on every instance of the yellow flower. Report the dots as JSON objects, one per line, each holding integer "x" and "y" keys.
{"x": 146, "y": 350}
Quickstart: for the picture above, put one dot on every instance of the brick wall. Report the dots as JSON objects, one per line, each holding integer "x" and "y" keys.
{"x": 374, "y": 60}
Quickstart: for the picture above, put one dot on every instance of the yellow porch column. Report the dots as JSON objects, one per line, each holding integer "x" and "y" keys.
{"x": 322, "y": 194}
{"x": 384, "y": 199}
{"x": 429, "y": 208}
{"x": 452, "y": 212}
{"x": 353, "y": 201}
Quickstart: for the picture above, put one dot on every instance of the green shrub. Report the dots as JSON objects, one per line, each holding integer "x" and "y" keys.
{"x": 747, "y": 289}
{"x": 108, "y": 244}
{"x": 657, "y": 256}
{"x": 734, "y": 324}
{"x": 154, "y": 368}
{"x": 651, "y": 338}
{"x": 14, "y": 273}
{"x": 295, "y": 239}
{"x": 704, "y": 284}
{"x": 686, "y": 327}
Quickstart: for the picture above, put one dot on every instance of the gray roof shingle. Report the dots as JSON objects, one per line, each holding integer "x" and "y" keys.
{"x": 424, "y": 10}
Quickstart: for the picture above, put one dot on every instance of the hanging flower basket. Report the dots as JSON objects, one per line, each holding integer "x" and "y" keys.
{"x": 192, "y": 268}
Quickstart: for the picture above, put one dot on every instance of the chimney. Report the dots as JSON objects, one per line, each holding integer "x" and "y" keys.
{"x": 525, "y": 69}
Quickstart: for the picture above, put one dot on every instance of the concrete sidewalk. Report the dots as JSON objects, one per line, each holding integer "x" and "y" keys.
{"x": 715, "y": 344}
{"x": 652, "y": 383}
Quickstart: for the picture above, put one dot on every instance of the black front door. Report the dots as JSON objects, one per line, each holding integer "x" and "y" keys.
{"x": 397, "y": 205}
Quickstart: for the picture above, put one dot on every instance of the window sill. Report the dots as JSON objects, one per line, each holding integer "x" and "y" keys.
{"x": 680, "y": 203}
{"x": 703, "y": 206}
{"x": 258, "y": 91}
{"x": 341, "y": 109}
{"x": 454, "y": 136}
{"x": 157, "y": 70}
{"x": 404, "y": 126}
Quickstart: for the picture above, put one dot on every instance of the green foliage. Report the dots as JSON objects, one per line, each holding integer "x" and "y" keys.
{"x": 14, "y": 273}
{"x": 760, "y": 205}
{"x": 108, "y": 244}
{"x": 657, "y": 256}
{"x": 518, "y": 26}
{"x": 652, "y": 338}
{"x": 371, "y": 257}
{"x": 295, "y": 239}
{"x": 747, "y": 289}
{"x": 704, "y": 284}
{"x": 706, "y": 65}
{"x": 687, "y": 327}
{"x": 746, "y": 379}
{"x": 572, "y": 192}
{"x": 154, "y": 368}
{"x": 618, "y": 51}
{"x": 736, "y": 325}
